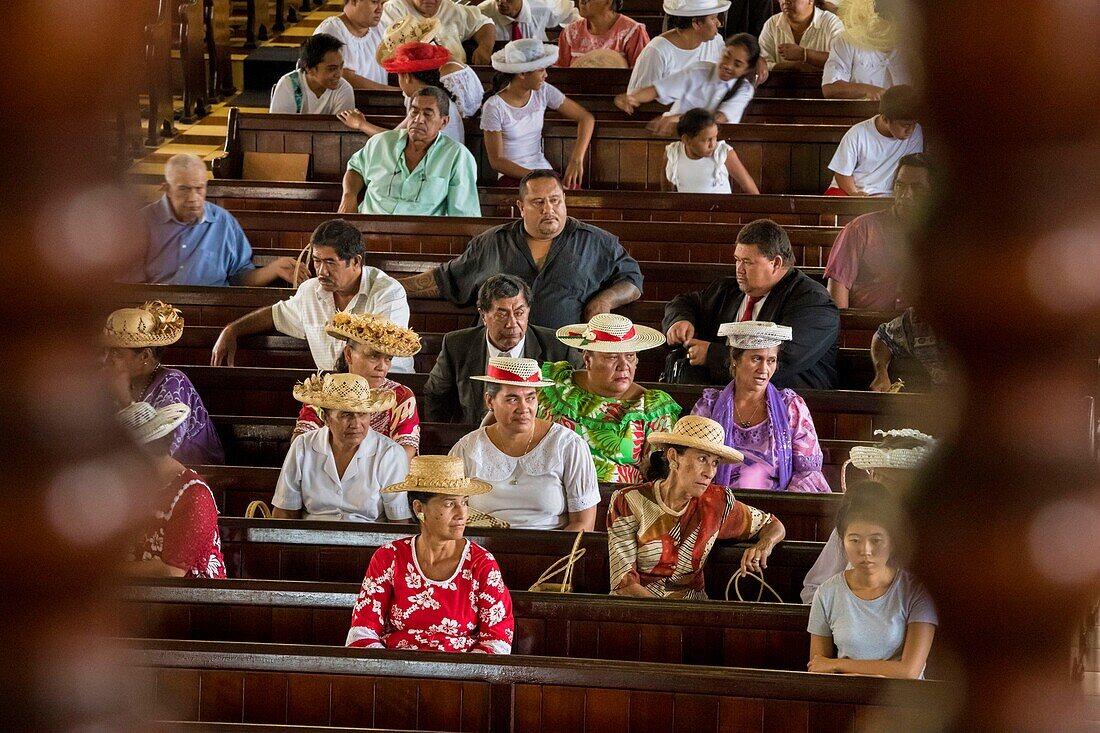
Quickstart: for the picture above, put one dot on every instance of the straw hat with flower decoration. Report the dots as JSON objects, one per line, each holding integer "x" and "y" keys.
{"x": 153, "y": 325}
{"x": 377, "y": 332}
{"x": 345, "y": 392}
{"x": 611, "y": 333}
{"x": 406, "y": 30}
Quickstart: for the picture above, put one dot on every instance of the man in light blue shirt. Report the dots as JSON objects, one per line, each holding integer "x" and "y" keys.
{"x": 414, "y": 171}
{"x": 193, "y": 242}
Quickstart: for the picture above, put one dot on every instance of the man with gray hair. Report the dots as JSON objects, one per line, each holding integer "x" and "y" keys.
{"x": 194, "y": 242}
{"x": 504, "y": 304}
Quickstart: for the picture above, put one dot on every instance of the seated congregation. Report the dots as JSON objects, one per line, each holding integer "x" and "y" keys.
{"x": 503, "y": 391}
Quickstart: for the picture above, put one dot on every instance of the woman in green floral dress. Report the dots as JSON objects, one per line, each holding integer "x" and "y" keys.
{"x": 601, "y": 403}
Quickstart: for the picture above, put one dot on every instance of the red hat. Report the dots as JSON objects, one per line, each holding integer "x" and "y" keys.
{"x": 410, "y": 57}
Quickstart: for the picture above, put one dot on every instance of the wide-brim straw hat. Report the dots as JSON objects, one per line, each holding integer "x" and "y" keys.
{"x": 439, "y": 475}
{"x": 702, "y": 433}
{"x": 408, "y": 29}
{"x": 409, "y": 58}
{"x": 147, "y": 423}
{"x": 514, "y": 372}
{"x": 346, "y": 392}
{"x": 154, "y": 324}
{"x": 610, "y": 333}
{"x": 526, "y": 54}
{"x": 870, "y": 457}
{"x": 600, "y": 58}
{"x": 694, "y": 8}
{"x": 755, "y": 334}
{"x": 377, "y": 332}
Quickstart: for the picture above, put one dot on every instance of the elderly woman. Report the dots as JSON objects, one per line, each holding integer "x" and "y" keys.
{"x": 603, "y": 37}
{"x": 890, "y": 466}
{"x": 541, "y": 473}
{"x": 874, "y": 618}
{"x": 338, "y": 472}
{"x": 181, "y": 537}
{"x": 372, "y": 344}
{"x": 435, "y": 591}
{"x": 661, "y": 532}
{"x": 601, "y": 403}
{"x": 771, "y": 427}
{"x": 135, "y": 339}
{"x": 800, "y": 35}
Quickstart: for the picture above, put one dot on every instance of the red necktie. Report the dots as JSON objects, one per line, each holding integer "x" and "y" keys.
{"x": 750, "y": 303}
{"x": 516, "y": 32}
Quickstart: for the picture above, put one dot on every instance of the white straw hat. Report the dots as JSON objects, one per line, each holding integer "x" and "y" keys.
{"x": 526, "y": 54}
{"x": 693, "y": 431}
{"x": 154, "y": 324}
{"x": 755, "y": 334}
{"x": 347, "y": 392}
{"x": 610, "y": 333}
{"x": 377, "y": 332}
{"x": 515, "y": 372}
{"x": 439, "y": 475}
{"x": 693, "y": 8}
{"x": 869, "y": 457}
{"x": 147, "y": 423}
{"x": 408, "y": 29}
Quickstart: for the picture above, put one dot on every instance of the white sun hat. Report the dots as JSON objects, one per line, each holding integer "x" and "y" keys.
{"x": 147, "y": 423}
{"x": 526, "y": 54}
{"x": 515, "y": 372}
{"x": 869, "y": 457}
{"x": 755, "y": 334}
{"x": 692, "y": 8}
{"x": 702, "y": 433}
{"x": 610, "y": 333}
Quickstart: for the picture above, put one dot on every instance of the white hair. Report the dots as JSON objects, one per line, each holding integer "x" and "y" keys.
{"x": 181, "y": 163}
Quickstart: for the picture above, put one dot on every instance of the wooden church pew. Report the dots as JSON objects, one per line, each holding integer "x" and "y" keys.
{"x": 236, "y": 681}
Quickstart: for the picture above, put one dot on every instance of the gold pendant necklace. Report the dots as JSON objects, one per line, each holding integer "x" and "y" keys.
{"x": 750, "y": 421}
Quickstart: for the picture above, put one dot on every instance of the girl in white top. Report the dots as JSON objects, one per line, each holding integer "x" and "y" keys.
{"x": 867, "y": 158}
{"x": 357, "y": 26}
{"x": 800, "y": 35}
{"x": 512, "y": 117}
{"x": 542, "y": 473}
{"x": 725, "y": 88}
{"x": 316, "y": 87}
{"x": 701, "y": 163}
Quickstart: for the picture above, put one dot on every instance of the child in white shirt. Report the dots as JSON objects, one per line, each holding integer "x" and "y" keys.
{"x": 317, "y": 86}
{"x": 867, "y": 157}
{"x": 701, "y": 163}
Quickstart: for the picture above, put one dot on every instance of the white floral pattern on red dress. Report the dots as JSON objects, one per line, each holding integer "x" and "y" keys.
{"x": 185, "y": 535}
{"x": 399, "y": 608}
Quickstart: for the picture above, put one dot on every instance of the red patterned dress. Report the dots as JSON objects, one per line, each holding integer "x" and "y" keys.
{"x": 400, "y": 608}
{"x": 649, "y": 544}
{"x": 401, "y": 423}
{"x": 185, "y": 534}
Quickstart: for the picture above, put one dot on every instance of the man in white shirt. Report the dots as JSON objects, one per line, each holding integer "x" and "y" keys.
{"x": 457, "y": 23}
{"x": 867, "y": 158}
{"x": 855, "y": 72}
{"x": 317, "y": 86}
{"x": 515, "y": 19}
{"x": 358, "y": 27}
{"x": 343, "y": 283}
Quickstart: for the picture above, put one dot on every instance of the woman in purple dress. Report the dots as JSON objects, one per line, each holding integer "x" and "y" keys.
{"x": 772, "y": 428}
{"x": 135, "y": 339}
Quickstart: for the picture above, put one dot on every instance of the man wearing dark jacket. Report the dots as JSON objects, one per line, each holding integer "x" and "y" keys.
{"x": 767, "y": 287}
{"x": 504, "y": 303}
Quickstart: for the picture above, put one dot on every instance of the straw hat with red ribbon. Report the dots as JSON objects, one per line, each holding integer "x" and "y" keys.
{"x": 611, "y": 333}
{"x": 409, "y": 58}
{"x": 514, "y": 372}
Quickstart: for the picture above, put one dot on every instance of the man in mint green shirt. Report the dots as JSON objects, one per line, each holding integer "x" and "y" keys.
{"x": 414, "y": 171}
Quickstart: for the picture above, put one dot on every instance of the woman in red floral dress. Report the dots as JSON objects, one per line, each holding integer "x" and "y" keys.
{"x": 435, "y": 591}
{"x": 181, "y": 538}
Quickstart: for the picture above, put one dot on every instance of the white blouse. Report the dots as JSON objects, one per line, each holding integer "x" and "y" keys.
{"x": 309, "y": 480}
{"x": 521, "y": 127}
{"x": 823, "y": 30}
{"x": 537, "y": 490}
{"x": 848, "y": 62}
{"x": 661, "y": 57}
{"x": 705, "y": 175}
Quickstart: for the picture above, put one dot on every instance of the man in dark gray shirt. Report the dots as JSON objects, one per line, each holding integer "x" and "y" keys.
{"x": 574, "y": 270}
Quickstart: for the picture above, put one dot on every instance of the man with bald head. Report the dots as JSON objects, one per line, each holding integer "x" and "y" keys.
{"x": 193, "y": 242}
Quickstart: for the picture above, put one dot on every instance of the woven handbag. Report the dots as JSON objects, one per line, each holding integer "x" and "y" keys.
{"x": 563, "y": 565}
{"x": 484, "y": 519}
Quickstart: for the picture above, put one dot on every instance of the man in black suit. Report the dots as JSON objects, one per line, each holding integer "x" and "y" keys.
{"x": 767, "y": 287}
{"x": 504, "y": 303}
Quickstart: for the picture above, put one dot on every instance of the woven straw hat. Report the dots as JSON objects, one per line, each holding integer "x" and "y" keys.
{"x": 406, "y": 30}
{"x": 478, "y": 518}
{"x": 610, "y": 333}
{"x": 439, "y": 475}
{"x": 347, "y": 392}
{"x": 694, "y": 8}
{"x": 377, "y": 332}
{"x": 755, "y": 334}
{"x": 869, "y": 457}
{"x": 601, "y": 58}
{"x": 693, "y": 431}
{"x": 147, "y": 423}
{"x": 526, "y": 54}
{"x": 154, "y": 324}
{"x": 515, "y": 372}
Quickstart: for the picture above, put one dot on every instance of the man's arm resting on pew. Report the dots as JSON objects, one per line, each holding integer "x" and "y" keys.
{"x": 612, "y": 297}
{"x": 278, "y": 513}
{"x": 353, "y": 185}
{"x": 422, "y": 285}
{"x": 281, "y": 268}
{"x": 225, "y": 348}
{"x": 850, "y": 90}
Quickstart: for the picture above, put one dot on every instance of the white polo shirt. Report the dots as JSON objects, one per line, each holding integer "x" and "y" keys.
{"x": 284, "y": 97}
{"x": 699, "y": 86}
{"x": 358, "y": 50}
{"x": 305, "y": 314}
{"x": 871, "y": 158}
{"x": 457, "y": 23}
{"x": 534, "y": 17}
{"x": 309, "y": 480}
{"x": 824, "y": 29}
{"x": 848, "y": 62}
